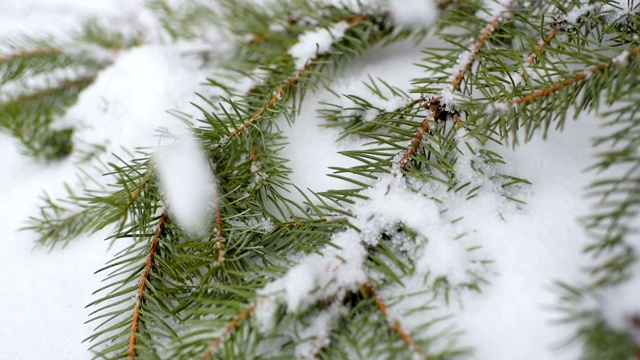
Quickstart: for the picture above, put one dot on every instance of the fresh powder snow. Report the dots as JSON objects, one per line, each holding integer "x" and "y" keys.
{"x": 188, "y": 185}
{"x": 414, "y": 13}
{"x": 313, "y": 43}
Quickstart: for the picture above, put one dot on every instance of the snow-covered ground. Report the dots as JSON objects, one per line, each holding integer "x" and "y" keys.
{"x": 43, "y": 294}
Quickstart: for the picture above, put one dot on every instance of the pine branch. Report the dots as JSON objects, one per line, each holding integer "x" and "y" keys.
{"x": 142, "y": 285}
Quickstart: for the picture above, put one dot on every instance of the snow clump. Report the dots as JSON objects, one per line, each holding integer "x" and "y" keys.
{"x": 188, "y": 184}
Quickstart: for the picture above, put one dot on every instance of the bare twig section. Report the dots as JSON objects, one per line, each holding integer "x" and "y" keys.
{"x": 543, "y": 44}
{"x": 229, "y": 328}
{"x": 29, "y": 53}
{"x": 368, "y": 288}
{"x": 142, "y": 285}
{"x": 575, "y": 79}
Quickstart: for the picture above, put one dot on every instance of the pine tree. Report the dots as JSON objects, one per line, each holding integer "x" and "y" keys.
{"x": 334, "y": 277}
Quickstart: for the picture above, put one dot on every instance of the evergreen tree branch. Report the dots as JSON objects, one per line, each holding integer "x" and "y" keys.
{"x": 534, "y": 56}
{"x": 231, "y": 326}
{"x": 142, "y": 285}
{"x": 288, "y": 86}
{"x": 369, "y": 290}
{"x": 436, "y": 109}
{"x": 465, "y": 64}
{"x": 30, "y": 53}
{"x": 627, "y": 55}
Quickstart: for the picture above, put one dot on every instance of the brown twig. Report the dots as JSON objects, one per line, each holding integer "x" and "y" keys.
{"x": 229, "y": 328}
{"x": 484, "y": 36}
{"x": 27, "y": 53}
{"x": 415, "y": 143}
{"x": 368, "y": 288}
{"x": 282, "y": 89}
{"x": 572, "y": 80}
{"x": 65, "y": 85}
{"x": 142, "y": 285}
{"x": 541, "y": 47}
{"x": 434, "y": 105}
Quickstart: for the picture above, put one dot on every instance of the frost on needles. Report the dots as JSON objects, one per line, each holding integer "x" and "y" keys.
{"x": 235, "y": 265}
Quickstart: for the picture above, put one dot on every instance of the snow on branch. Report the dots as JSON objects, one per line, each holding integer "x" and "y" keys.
{"x": 414, "y": 13}
{"x": 316, "y": 42}
{"x": 188, "y": 185}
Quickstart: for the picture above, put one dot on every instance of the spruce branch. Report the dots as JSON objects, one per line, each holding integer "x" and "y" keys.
{"x": 597, "y": 69}
{"x": 436, "y": 108}
{"x": 534, "y": 56}
{"x": 231, "y": 326}
{"x": 369, "y": 290}
{"x": 143, "y": 283}
{"x": 30, "y": 53}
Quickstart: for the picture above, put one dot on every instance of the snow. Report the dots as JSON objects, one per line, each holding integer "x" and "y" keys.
{"x": 316, "y": 42}
{"x": 414, "y": 13}
{"x": 132, "y": 97}
{"x": 43, "y": 294}
{"x": 338, "y": 269}
{"x": 188, "y": 184}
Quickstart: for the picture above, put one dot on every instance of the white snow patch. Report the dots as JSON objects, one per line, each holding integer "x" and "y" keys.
{"x": 188, "y": 184}
{"x": 127, "y": 102}
{"x": 316, "y": 42}
{"x": 414, "y": 13}
{"x": 575, "y": 14}
{"x": 493, "y": 9}
{"x": 316, "y": 334}
{"x": 339, "y": 268}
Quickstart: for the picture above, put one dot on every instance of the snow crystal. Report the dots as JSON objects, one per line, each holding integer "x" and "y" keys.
{"x": 316, "y": 42}
{"x": 414, "y": 13}
{"x": 188, "y": 184}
